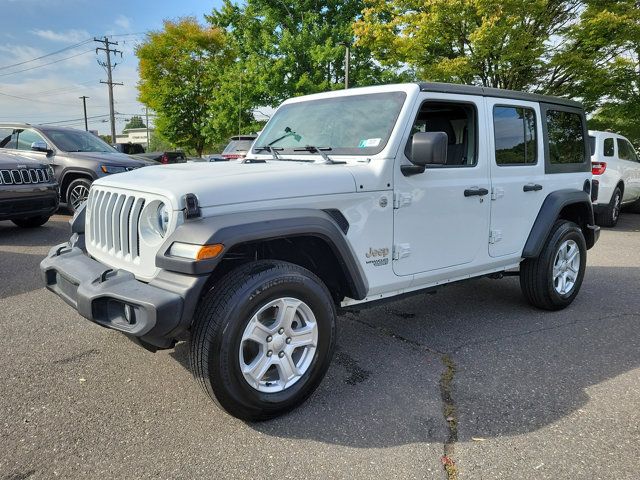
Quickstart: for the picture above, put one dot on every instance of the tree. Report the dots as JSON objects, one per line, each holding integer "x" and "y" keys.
{"x": 180, "y": 71}
{"x": 494, "y": 43}
{"x": 135, "y": 122}
{"x": 295, "y": 47}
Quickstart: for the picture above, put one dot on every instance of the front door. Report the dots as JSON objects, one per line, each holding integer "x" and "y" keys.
{"x": 441, "y": 216}
{"x": 517, "y": 173}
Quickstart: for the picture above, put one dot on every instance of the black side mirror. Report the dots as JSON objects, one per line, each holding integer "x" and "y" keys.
{"x": 427, "y": 148}
{"x": 40, "y": 146}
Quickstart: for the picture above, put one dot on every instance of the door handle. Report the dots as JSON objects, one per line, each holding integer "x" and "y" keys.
{"x": 531, "y": 187}
{"x": 470, "y": 192}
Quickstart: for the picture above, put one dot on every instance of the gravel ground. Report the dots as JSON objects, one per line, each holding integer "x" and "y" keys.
{"x": 528, "y": 394}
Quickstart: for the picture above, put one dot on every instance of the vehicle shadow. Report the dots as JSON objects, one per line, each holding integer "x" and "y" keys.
{"x": 13, "y": 280}
{"x": 628, "y": 222}
{"x": 517, "y": 368}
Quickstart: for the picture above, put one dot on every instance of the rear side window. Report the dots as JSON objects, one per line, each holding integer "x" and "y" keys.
{"x": 566, "y": 137}
{"x": 626, "y": 151}
{"x": 592, "y": 145}
{"x": 608, "y": 147}
{"x": 26, "y": 138}
{"x": 5, "y": 138}
{"x": 515, "y": 135}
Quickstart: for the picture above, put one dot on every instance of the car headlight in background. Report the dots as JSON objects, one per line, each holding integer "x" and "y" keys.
{"x": 112, "y": 169}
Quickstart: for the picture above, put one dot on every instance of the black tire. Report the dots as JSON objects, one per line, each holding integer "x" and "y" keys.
{"x": 31, "y": 222}
{"x": 81, "y": 184}
{"x": 536, "y": 274}
{"x": 221, "y": 319}
{"x": 608, "y": 217}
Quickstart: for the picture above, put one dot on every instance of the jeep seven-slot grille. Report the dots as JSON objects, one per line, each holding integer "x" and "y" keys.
{"x": 23, "y": 176}
{"x": 113, "y": 224}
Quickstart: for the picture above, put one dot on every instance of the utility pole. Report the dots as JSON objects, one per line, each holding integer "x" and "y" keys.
{"x": 109, "y": 67}
{"x": 146, "y": 115}
{"x": 347, "y": 58}
{"x": 84, "y": 104}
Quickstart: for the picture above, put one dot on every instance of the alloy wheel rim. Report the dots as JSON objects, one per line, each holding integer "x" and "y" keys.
{"x": 278, "y": 345}
{"x": 78, "y": 196}
{"x": 566, "y": 266}
{"x": 616, "y": 207}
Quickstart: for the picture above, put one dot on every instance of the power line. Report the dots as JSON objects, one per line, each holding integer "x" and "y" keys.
{"x": 46, "y": 64}
{"x": 35, "y": 100}
{"x": 74, "y": 119}
{"x": 4, "y": 67}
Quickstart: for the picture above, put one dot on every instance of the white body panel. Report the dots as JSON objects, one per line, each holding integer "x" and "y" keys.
{"x": 617, "y": 171}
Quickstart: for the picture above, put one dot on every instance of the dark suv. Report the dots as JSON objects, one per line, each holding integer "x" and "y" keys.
{"x": 28, "y": 191}
{"x": 77, "y": 157}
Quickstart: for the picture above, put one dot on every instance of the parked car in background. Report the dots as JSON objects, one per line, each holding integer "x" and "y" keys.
{"x": 129, "y": 148}
{"x": 616, "y": 168}
{"x": 163, "y": 157}
{"x": 77, "y": 157}
{"x": 28, "y": 191}
{"x": 238, "y": 147}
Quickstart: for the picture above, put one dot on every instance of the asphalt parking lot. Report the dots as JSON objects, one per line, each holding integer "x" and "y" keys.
{"x": 507, "y": 391}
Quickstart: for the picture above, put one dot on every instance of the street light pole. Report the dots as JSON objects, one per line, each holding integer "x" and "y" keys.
{"x": 347, "y": 58}
{"x": 84, "y": 104}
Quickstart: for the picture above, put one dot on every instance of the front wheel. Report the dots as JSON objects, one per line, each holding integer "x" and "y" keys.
{"x": 77, "y": 193}
{"x": 552, "y": 280}
{"x": 263, "y": 339}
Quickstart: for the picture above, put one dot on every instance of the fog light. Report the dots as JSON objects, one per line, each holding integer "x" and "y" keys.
{"x": 129, "y": 314}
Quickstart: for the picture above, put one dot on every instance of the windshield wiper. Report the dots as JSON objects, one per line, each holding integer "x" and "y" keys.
{"x": 288, "y": 133}
{"x": 270, "y": 149}
{"x": 320, "y": 151}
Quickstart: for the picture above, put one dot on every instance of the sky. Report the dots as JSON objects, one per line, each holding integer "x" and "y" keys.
{"x": 49, "y": 88}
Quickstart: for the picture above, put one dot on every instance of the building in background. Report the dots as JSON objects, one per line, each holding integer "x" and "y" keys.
{"x": 134, "y": 135}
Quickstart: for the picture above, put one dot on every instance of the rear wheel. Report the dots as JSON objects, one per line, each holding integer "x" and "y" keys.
{"x": 609, "y": 216}
{"x": 77, "y": 193}
{"x": 552, "y": 280}
{"x": 31, "y": 222}
{"x": 263, "y": 339}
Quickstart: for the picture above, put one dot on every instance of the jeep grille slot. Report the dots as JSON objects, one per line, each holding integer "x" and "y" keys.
{"x": 113, "y": 223}
{"x": 18, "y": 177}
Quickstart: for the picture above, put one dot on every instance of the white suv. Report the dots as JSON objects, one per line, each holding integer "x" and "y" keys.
{"x": 616, "y": 168}
{"x": 346, "y": 198}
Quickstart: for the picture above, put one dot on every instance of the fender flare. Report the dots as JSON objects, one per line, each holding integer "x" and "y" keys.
{"x": 549, "y": 213}
{"x": 237, "y": 228}
{"x": 75, "y": 171}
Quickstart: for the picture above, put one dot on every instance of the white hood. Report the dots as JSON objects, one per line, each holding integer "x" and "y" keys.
{"x": 224, "y": 183}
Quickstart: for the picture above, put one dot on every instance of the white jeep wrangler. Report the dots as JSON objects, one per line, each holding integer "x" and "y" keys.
{"x": 346, "y": 198}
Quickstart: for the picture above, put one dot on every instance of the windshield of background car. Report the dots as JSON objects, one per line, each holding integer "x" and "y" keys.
{"x": 349, "y": 125}
{"x": 78, "y": 141}
{"x": 236, "y": 146}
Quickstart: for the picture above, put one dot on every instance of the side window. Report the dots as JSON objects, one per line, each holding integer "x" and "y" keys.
{"x": 515, "y": 135}
{"x": 608, "y": 147}
{"x": 566, "y": 137}
{"x": 26, "y": 138}
{"x": 626, "y": 151}
{"x": 592, "y": 145}
{"x": 7, "y": 138}
{"x": 458, "y": 121}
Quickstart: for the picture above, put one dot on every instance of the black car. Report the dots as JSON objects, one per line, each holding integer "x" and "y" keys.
{"x": 28, "y": 191}
{"x": 163, "y": 157}
{"x": 77, "y": 157}
{"x": 129, "y": 148}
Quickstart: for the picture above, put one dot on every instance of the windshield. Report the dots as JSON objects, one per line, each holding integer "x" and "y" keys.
{"x": 351, "y": 125}
{"x": 77, "y": 141}
{"x": 236, "y": 146}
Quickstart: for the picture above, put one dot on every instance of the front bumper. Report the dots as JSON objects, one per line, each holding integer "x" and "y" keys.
{"x": 23, "y": 201}
{"x": 156, "y": 312}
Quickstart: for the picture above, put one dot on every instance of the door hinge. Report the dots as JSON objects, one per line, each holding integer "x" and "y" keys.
{"x": 495, "y": 236}
{"x": 496, "y": 193}
{"x": 402, "y": 250}
{"x": 401, "y": 199}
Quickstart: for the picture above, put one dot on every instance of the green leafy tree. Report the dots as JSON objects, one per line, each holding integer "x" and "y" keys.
{"x": 135, "y": 122}
{"x": 295, "y": 47}
{"x": 494, "y": 43}
{"x": 180, "y": 73}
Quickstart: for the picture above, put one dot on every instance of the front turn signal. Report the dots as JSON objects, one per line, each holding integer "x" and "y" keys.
{"x": 195, "y": 252}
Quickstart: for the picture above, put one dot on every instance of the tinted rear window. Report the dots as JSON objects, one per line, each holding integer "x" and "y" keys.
{"x": 566, "y": 137}
{"x": 608, "y": 147}
{"x": 592, "y": 144}
{"x": 515, "y": 135}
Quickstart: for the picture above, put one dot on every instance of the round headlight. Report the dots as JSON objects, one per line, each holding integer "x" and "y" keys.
{"x": 163, "y": 219}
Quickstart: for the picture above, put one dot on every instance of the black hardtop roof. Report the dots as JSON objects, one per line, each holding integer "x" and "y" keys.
{"x": 495, "y": 92}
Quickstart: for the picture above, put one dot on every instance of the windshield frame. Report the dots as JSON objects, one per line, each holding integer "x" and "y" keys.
{"x": 331, "y": 149}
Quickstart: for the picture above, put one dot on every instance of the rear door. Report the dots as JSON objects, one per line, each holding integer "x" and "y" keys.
{"x": 517, "y": 173}
{"x": 630, "y": 169}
